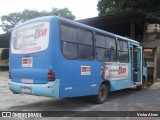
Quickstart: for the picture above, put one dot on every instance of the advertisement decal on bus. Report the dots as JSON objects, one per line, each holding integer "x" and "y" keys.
{"x": 30, "y": 38}
{"x": 114, "y": 71}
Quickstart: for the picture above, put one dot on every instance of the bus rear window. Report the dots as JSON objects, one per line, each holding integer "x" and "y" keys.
{"x": 30, "y": 38}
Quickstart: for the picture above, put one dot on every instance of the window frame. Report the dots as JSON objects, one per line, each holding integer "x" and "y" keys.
{"x": 105, "y": 48}
{"x": 120, "y": 51}
{"x": 76, "y": 43}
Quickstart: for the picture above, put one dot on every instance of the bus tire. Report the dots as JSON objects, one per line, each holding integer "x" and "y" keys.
{"x": 102, "y": 95}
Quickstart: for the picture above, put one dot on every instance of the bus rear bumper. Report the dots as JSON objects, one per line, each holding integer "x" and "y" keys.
{"x": 51, "y": 89}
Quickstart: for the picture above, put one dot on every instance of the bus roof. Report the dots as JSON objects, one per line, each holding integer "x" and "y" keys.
{"x": 49, "y": 18}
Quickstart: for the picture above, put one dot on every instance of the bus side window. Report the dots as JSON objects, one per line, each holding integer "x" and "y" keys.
{"x": 100, "y": 47}
{"x": 69, "y": 50}
{"x": 77, "y": 43}
{"x": 111, "y": 49}
{"x": 69, "y": 42}
{"x": 85, "y": 46}
{"x": 105, "y": 48}
{"x": 123, "y": 51}
{"x": 68, "y": 34}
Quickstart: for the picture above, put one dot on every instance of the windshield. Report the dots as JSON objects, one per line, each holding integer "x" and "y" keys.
{"x": 30, "y": 38}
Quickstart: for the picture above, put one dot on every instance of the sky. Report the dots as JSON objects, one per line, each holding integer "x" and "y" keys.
{"x": 80, "y": 8}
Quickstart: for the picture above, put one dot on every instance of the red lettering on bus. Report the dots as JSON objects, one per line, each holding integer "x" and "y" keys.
{"x": 42, "y": 32}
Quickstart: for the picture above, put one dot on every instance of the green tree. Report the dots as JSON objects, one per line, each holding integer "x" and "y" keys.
{"x": 65, "y": 12}
{"x": 116, "y": 6}
{"x": 12, "y": 19}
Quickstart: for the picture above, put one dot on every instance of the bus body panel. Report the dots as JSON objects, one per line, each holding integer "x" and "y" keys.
{"x": 74, "y": 82}
{"x": 51, "y": 89}
{"x": 40, "y": 65}
{"x": 36, "y": 75}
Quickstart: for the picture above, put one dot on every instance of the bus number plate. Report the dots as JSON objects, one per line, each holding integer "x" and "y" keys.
{"x": 26, "y": 90}
{"x": 26, "y": 62}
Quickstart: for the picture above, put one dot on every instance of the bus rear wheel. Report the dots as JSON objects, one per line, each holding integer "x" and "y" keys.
{"x": 102, "y": 95}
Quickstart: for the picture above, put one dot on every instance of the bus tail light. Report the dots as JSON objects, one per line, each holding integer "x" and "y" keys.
{"x": 51, "y": 75}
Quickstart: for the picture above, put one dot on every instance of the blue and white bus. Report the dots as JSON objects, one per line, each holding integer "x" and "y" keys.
{"x": 60, "y": 58}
